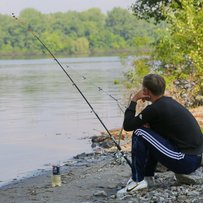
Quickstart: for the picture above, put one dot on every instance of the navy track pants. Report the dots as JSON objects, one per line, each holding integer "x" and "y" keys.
{"x": 149, "y": 148}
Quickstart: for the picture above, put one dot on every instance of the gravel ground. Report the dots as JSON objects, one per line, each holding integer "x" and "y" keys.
{"x": 94, "y": 177}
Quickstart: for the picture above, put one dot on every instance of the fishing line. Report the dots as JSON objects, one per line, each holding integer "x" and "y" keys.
{"x": 108, "y": 94}
{"x": 78, "y": 89}
{"x": 120, "y": 105}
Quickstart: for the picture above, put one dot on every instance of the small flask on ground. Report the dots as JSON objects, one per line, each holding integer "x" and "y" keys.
{"x": 56, "y": 176}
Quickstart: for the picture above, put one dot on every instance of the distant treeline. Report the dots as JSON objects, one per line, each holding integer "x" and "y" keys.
{"x": 73, "y": 33}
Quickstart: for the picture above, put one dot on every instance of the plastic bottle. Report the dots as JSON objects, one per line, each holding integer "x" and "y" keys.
{"x": 56, "y": 176}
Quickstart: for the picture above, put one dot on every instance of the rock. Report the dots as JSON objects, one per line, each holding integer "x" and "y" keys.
{"x": 98, "y": 139}
{"x": 113, "y": 196}
{"x": 107, "y": 144}
{"x": 193, "y": 178}
{"x": 83, "y": 156}
{"x": 98, "y": 150}
{"x": 100, "y": 193}
{"x": 193, "y": 193}
{"x": 105, "y": 141}
{"x": 161, "y": 168}
{"x": 80, "y": 156}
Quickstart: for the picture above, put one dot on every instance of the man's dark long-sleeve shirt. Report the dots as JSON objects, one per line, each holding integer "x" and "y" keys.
{"x": 170, "y": 120}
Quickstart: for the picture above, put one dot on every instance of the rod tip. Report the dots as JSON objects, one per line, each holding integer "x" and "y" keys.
{"x": 13, "y": 15}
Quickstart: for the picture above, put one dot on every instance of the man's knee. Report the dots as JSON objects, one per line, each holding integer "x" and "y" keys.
{"x": 135, "y": 136}
{"x": 137, "y": 131}
{"x": 136, "y": 139}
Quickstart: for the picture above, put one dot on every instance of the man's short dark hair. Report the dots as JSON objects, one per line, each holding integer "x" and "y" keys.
{"x": 155, "y": 83}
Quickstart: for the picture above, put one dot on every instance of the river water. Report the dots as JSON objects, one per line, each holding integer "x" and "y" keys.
{"x": 44, "y": 120}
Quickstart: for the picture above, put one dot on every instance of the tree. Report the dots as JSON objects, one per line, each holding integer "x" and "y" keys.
{"x": 121, "y": 22}
{"x": 179, "y": 47}
{"x": 74, "y": 32}
{"x": 183, "y": 60}
{"x": 33, "y": 19}
{"x": 147, "y": 9}
{"x": 93, "y": 15}
{"x": 81, "y": 46}
{"x": 53, "y": 41}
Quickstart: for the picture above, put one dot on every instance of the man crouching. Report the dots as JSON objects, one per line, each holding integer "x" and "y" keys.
{"x": 164, "y": 132}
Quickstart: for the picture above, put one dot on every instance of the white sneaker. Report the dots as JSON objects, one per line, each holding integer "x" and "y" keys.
{"x": 131, "y": 187}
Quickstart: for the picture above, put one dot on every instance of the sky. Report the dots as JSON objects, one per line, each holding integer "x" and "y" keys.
{"x": 52, "y": 6}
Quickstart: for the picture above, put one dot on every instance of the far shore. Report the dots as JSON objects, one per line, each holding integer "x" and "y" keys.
{"x": 34, "y": 55}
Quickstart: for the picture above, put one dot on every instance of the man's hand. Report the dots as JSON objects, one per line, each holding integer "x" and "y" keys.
{"x": 146, "y": 125}
{"x": 140, "y": 95}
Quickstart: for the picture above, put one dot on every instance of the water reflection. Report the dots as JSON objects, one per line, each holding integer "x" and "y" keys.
{"x": 43, "y": 117}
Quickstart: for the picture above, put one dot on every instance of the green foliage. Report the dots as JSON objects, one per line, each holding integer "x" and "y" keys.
{"x": 179, "y": 47}
{"x": 116, "y": 82}
{"x": 81, "y": 46}
{"x": 121, "y": 23}
{"x": 74, "y": 32}
{"x": 181, "y": 50}
{"x": 139, "y": 69}
{"x": 148, "y": 9}
{"x": 53, "y": 40}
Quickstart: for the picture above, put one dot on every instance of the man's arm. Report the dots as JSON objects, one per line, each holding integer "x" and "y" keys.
{"x": 131, "y": 122}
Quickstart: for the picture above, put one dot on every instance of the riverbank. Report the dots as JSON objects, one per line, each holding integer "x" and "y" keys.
{"x": 94, "y": 177}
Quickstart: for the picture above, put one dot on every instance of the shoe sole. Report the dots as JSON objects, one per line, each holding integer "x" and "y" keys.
{"x": 142, "y": 190}
{"x": 131, "y": 193}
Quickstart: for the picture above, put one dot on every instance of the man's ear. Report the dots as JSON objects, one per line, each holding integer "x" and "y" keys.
{"x": 149, "y": 92}
{"x": 146, "y": 91}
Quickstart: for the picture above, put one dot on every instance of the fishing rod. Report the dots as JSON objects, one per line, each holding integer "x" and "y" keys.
{"x": 78, "y": 89}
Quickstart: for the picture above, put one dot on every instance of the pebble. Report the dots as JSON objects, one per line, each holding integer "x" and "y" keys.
{"x": 171, "y": 192}
{"x": 165, "y": 190}
{"x": 193, "y": 193}
{"x": 100, "y": 193}
{"x": 98, "y": 150}
{"x": 111, "y": 186}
